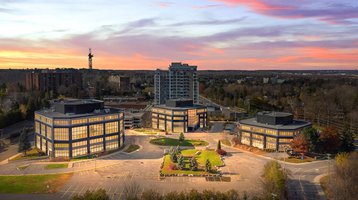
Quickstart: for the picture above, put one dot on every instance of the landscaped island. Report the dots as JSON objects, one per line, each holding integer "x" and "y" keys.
{"x": 191, "y": 161}
{"x": 176, "y": 142}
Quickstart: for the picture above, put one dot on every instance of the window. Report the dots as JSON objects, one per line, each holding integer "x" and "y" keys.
{"x": 111, "y": 117}
{"x": 96, "y": 129}
{"x": 61, "y": 133}
{"x": 193, "y": 118}
{"x": 111, "y": 145}
{"x": 79, "y": 132}
{"x": 111, "y": 127}
{"x": 61, "y": 145}
{"x": 178, "y": 127}
{"x": 285, "y": 140}
{"x": 38, "y": 142}
{"x": 286, "y": 133}
{"x": 79, "y": 121}
{"x": 43, "y": 147}
{"x": 244, "y": 127}
{"x": 96, "y": 148}
{"x": 61, "y": 122}
{"x": 49, "y": 132}
{"x": 80, "y": 143}
{"x": 109, "y": 138}
{"x": 43, "y": 130}
{"x": 79, "y": 151}
{"x": 61, "y": 153}
{"x": 37, "y": 127}
{"x": 161, "y": 124}
{"x": 97, "y": 140}
{"x": 95, "y": 119}
{"x": 271, "y": 132}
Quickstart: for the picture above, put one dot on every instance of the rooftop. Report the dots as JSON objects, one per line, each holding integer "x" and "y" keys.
{"x": 295, "y": 124}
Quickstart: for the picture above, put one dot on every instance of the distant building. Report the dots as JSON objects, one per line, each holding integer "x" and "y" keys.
{"x": 270, "y": 130}
{"x": 179, "y": 116}
{"x": 133, "y": 120}
{"x": 180, "y": 82}
{"x": 52, "y": 80}
{"x": 76, "y": 127}
{"x": 123, "y": 82}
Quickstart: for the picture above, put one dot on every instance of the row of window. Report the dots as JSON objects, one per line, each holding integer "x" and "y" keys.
{"x": 64, "y": 122}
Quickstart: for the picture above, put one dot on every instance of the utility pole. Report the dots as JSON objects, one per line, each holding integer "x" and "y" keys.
{"x": 90, "y": 56}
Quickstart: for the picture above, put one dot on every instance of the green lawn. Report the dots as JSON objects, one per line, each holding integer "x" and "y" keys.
{"x": 33, "y": 153}
{"x": 175, "y": 142}
{"x": 56, "y": 166}
{"x": 132, "y": 148}
{"x": 33, "y": 183}
{"x": 213, "y": 157}
{"x": 146, "y": 131}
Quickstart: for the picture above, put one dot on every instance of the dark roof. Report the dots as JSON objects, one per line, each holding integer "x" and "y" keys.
{"x": 274, "y": 114}
{"x": 53, "y": 114}
{"x": 296, "y": 124}
{"x": 179, "y": 108}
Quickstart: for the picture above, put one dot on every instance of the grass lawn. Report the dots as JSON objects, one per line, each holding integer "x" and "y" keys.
{"x": 146, "y": 131}
{"x": 132, "y": 148}
{"x": 213, "y": 157}
{"x": 33, "y": 183}
{"x": 33, "y": 153}
{"x": 226, "y": 142}
{"x": 56, "y": 166}
{"x": 175, "y": 142}
{"x": 298, "y": 160}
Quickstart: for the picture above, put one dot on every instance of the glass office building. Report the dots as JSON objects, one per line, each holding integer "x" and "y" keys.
{"x": 179, "y": 116}
{"x": 270, "y": 130}
{"x": 75, "y": 127}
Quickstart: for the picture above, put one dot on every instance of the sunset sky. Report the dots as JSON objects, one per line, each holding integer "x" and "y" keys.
{"x": 148, "y": 34}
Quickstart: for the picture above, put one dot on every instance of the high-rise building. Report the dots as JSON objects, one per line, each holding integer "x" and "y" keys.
{"x": 179, "y": 82}
{"x": 51, "y": 80}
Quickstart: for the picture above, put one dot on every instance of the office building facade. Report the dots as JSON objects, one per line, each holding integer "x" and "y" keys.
{"x": 179, "y": 116}
{"x": 270, "y": 130}
{"x": 179, "y": 82}
{"x": 74, "y": 127}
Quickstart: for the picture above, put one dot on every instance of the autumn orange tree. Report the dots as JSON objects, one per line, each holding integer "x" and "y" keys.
{"x": 300, "y": 144}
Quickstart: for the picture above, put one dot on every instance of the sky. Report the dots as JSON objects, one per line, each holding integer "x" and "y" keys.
{"x": 149, "y": 34}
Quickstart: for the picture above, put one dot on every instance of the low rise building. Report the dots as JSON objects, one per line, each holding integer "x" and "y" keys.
{"x": 179, "y": 116}
{"x": 270, "y": 130}
{"x": 75, "y": 127}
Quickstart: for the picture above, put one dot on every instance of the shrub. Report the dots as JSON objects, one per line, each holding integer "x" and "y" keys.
{"x": 193, "y": 164}
{"x": 181, "y": 163}
{"x": 221, "y": 152}
{"x": 172, "y": 166}
{"x": 174, "y": 157}
{"x": 151, "y": 195}
{"x": 207, "y": 165}
{"x": 181, "y": 137}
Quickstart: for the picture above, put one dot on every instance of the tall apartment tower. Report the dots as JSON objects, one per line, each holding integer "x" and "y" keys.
{"x": 180, "y": 82}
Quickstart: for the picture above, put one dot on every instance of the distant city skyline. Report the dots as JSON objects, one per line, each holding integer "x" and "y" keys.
{"x": 212, "y": 34}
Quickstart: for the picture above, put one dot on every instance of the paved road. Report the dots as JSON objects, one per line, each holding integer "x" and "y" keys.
{"x": 114, "y": 171}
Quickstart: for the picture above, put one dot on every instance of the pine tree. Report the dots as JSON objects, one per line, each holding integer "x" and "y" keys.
{"x": 347, "y": 140}
{"x": 181, "y": 163}
{"x": 219, "y": 145}
{"x": 193, "y": 164}
{"x": 24, "y": 142}
{"x": 207, "y": 166}
{"x": 174, "y": 157}
{"x": 181, "y": 137}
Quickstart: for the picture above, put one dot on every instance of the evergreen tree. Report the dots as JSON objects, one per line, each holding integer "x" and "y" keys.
{"x": 181, "y": 163}
{"x": 207, "y": 165}
{"x": 312, "y": 136}
{"x": 181, "y": 137}
{"x": 347, "y": 140}
{"x": 174, "y": 157}
{"x": 24, "y": 142}
{"x": 219, "y": 145}
{"x": 193, "y": 164}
